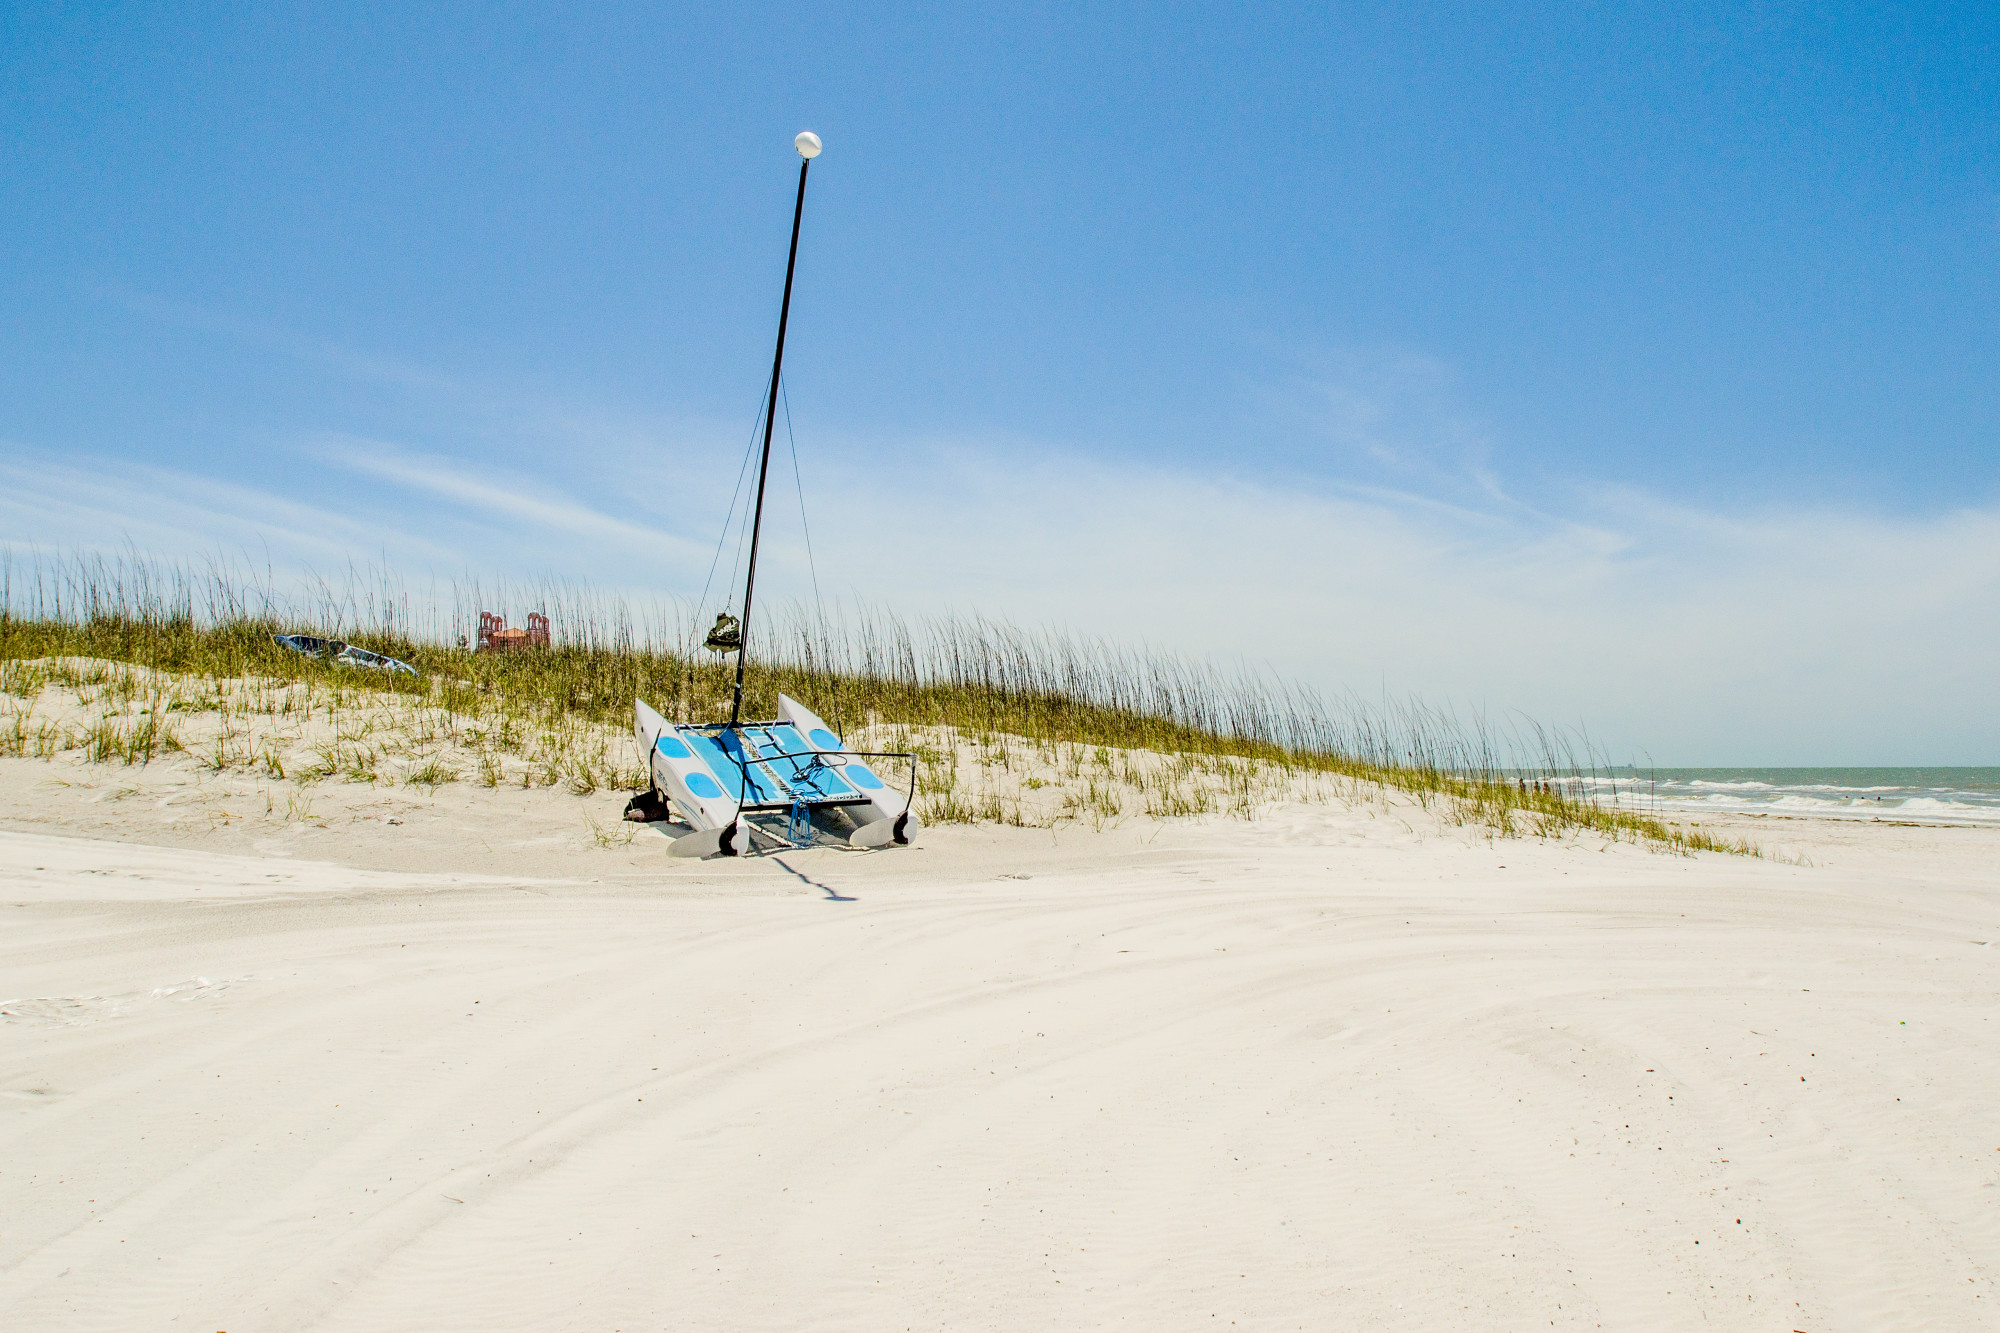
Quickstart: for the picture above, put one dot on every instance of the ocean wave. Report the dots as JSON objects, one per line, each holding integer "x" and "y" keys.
{"x": 1800, "y": 804}
{"x": 1810, "y": 804}
{"x": 1727, "y": 793}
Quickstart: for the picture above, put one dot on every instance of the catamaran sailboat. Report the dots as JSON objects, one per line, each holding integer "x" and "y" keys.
{"x": 736, "y": 783}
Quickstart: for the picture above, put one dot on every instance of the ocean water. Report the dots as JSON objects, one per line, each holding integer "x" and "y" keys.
{"x": 1922, "y": 795}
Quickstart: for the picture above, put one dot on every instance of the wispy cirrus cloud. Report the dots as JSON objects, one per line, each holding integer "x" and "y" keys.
{"x": 533, "y": 504}
{"x": 108, "y": 504}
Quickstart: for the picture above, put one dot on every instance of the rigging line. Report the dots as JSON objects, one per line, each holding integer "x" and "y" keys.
{"x": 722, "y": 538}
{"x": 792, "y": 440}
{"x": 744, "y": 528}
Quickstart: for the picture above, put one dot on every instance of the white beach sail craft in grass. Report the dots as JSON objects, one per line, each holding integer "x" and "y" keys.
{"x": 737, "y": 782}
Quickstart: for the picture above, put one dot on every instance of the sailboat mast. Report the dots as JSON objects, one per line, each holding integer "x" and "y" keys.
{"x": 770, "y": 421}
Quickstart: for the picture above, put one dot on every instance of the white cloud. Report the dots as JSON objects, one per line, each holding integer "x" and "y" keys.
{"x": 1693, "y": 637}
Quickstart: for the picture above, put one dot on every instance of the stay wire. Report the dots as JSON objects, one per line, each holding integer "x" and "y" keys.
{"x": 786, "y": 398}
{"x": 729, "y": 519}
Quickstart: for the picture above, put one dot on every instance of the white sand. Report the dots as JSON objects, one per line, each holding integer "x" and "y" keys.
{"x": 1338, "y": 1068}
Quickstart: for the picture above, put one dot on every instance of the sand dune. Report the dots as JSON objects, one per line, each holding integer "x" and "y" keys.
{"x": 1336, "y": 1068}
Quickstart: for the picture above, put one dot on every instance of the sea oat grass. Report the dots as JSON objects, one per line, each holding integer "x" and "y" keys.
{"x": 1111, "y": 732}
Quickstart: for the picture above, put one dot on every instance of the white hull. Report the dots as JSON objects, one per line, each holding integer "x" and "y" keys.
{"x": 887, "y": 818}
{"x": 679, "y": 774}
{"x": 682, "y": 765}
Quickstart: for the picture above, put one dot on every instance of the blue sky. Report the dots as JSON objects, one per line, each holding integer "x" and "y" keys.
{"x": 1626, "y": 365}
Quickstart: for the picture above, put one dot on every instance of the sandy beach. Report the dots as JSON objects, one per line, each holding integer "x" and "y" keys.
{"x": 1315, "y": 667}
{"x": 451, "y": 1063}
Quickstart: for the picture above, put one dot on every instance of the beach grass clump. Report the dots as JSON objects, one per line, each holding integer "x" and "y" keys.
{"x": 1006, "y": 724}
{"x": 433, "y": 773}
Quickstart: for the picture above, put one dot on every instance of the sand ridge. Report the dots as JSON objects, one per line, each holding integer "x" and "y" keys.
{"x": 436, "y": 778}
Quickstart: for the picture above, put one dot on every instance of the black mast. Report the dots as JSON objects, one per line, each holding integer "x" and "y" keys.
{"x": 808, "y": 146}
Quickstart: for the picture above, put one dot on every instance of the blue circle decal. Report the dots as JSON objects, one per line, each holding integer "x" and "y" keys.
{"x": 861, "y": 777}
{"x": 672, "y": 748}
{"x": 823, "y": 738}
{"x": 702, "y": 785}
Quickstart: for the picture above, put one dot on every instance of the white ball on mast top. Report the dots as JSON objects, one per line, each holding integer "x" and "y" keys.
{"x": 808, "y": 145}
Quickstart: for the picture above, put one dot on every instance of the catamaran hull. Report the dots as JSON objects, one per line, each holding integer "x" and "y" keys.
{"x": 683, "y": 778}
{"x": 712, "y": 775}
{"x": 887, "y": 819}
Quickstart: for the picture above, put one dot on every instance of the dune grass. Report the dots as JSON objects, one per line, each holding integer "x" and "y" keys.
{"x": 1008, "y": 725}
